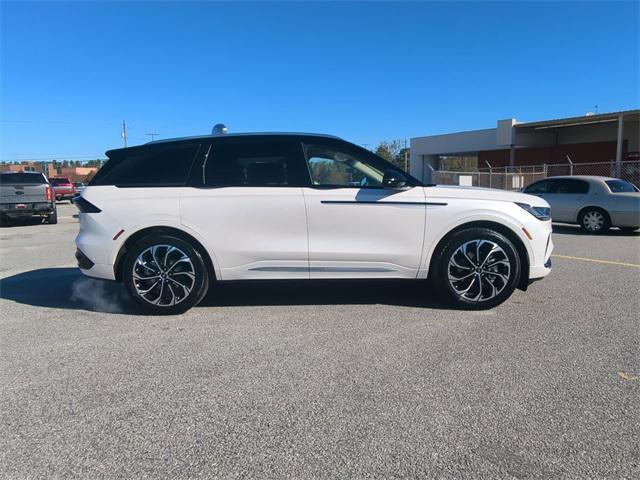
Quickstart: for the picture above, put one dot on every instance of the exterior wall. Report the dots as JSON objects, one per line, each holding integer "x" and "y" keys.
{"x": 585, "y": 143}
{"x": 76, "y": 174}
{"x": 25, "y": 166}
{"x": 450, "y": 143}
{"x": 425, "y": 150}
{"x": 579, "y": 153}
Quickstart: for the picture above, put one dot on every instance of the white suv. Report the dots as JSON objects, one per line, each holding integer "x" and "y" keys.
{"x": 170, "y": 218}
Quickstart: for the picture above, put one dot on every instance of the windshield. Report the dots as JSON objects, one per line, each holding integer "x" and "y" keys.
{"x": 60, "y": 181}
{"x": 620, "y": 186}
{"x": 22, "y": 178}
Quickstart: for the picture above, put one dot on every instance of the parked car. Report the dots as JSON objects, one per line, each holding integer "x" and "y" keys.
{"x": 171, "y": 218}
{"x": 25, "y": 194}
{"x": 79, "y": 186}
{"x": 63, "y": 188}
{"x": 594, "y": 203}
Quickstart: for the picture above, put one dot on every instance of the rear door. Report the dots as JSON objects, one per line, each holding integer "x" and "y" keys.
{"x": 357, "y": 228}
{"x": 246, "y": 201}
{"x": 566, "y": 196}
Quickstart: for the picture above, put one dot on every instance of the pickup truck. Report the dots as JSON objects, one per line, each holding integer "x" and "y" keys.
{"x": 63, "y": 188}
{"x": 25, "y": 194}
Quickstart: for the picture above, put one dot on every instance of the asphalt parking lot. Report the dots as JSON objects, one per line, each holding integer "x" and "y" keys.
{"x": 308, "y": 380}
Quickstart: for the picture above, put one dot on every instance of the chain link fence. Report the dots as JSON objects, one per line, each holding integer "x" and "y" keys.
{"x": 516, "y": 178}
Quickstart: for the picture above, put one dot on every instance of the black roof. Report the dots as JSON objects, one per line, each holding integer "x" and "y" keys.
{"x": 117, "y": 151}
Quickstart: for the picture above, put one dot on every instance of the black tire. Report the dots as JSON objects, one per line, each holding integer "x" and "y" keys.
{"x": 594, "y": 220}
{"x": 178, "y": 273}
{"x": 52, "y": 218}
{"x": 488, "y": 285}
{"x": 629, "y": 229}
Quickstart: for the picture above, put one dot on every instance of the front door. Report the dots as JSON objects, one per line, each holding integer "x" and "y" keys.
{"x": 357, "y": 228}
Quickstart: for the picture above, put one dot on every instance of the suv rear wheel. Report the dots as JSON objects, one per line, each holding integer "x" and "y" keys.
{"x": 165, "y": 275}
{"x": 478, "y": 268}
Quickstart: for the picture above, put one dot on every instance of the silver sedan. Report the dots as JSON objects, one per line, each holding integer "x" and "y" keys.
{"x": 594, "y": 203}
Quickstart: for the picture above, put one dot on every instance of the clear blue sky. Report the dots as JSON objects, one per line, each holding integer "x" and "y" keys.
{"x": 365, "y": 71}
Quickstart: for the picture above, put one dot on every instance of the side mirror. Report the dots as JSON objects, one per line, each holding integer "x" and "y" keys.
{"x": 394, "y": 179}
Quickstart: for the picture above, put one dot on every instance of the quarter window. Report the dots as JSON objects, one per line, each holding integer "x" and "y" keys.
{"x": 260, "y": 164}
{"x": 160, "y": 166}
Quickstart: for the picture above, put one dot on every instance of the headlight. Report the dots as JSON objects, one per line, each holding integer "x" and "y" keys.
{"x": 541, "y": 213}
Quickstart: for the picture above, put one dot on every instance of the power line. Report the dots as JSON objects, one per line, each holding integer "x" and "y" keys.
{"x": 153, "y": 135}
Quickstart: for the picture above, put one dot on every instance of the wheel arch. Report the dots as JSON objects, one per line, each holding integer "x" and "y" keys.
{"x": 161, "y": 230}
{"x": 498, "y": 227}
{"x": 597, "y": 207}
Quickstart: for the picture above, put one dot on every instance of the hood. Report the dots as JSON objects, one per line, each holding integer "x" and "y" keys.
{"x": 479, "y": 193}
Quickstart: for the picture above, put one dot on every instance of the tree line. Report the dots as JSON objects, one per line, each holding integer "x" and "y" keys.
{"x": 396, "y": 152}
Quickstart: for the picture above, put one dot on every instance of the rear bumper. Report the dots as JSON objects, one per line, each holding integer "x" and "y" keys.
{"x": 84, "y": 262}
{"x": 94, "y": 270}
{"x": 11, "y": 210}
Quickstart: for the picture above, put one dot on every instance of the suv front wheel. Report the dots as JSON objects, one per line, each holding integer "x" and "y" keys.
{"x": 165, "y": 275}
{"x": 478, "y": 268}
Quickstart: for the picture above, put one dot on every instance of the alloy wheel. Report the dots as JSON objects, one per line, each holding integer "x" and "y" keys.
{"x": 163, "y": 275}
{"x": 479, "y": 270}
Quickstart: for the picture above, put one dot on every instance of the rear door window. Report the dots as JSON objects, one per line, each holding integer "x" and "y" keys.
{"x": 254, "y": 164}
{"x": 569, "y": 186}
{"x": 157, "y": 166}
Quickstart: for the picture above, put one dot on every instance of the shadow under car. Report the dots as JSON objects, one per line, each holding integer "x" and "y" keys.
{"x": 67, "y": 288}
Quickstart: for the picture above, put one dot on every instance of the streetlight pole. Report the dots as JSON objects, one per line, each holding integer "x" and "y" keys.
{"x": 124, "y": 134}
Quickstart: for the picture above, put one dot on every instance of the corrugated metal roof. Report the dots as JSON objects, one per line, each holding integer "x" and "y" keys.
{"x": 581, "y": 120}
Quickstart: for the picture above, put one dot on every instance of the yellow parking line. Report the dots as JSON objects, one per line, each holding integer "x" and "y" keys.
{"x": 595, "y": 260}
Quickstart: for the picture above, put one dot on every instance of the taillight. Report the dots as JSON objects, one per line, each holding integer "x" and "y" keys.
{"x": 49, "y": 193}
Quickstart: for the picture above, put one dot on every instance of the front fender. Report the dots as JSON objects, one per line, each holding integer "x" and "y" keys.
{"x": 441, "y": 222}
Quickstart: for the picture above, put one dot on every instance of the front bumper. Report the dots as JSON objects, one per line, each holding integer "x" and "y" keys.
{"x": 541, "y": 249}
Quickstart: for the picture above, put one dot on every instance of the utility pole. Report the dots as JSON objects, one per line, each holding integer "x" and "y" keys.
{"x": 153, "y": 135}
{"x": 124, "y": 134}
{"x": 406, "y": 162}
